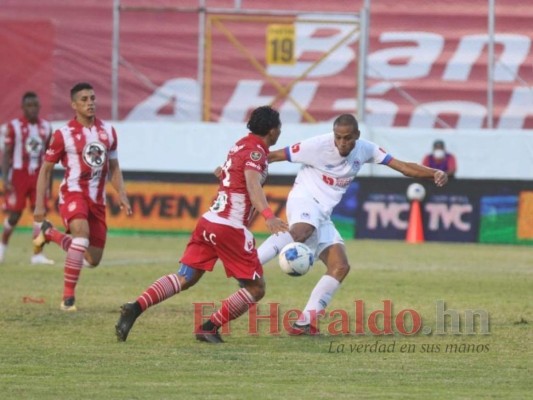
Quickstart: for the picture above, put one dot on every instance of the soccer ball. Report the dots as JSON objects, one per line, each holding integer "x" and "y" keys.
{"x": 416, "y": 191}
{"x": 296, "y": 259}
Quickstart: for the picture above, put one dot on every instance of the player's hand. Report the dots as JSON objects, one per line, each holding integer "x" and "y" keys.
{"x": 441, "y": 178}
{"x": 125, "y": 204}
{"x": 276, "y": 225}
{"x": 218, "y": 172}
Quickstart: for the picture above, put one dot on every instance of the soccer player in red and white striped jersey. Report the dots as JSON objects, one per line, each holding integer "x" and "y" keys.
{"x": 25, "y": 142}
{"x": 87, "y": 149}
{"x": 222, "y": 233}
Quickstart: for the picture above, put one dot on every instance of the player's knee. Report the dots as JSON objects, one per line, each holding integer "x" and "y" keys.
{"x": 339, "y": 270}
{"x": 256, "y": 288}
{"x": 187, "y": 276}
{"x": 300, "y": 232}
{"x": 14, "y": 218}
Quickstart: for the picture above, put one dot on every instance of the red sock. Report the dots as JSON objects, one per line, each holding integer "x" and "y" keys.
{"x": 73, "y": 265}
{"x": 165, "y": 287}
{"x": 61, "y": 239}
{"x": 8, "y": 230}
{"x": 233, "y": 307}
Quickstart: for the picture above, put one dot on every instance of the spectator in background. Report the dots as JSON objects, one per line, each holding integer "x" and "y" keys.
{"x": 25, "y": 141}
{"x": 440, "y": 159}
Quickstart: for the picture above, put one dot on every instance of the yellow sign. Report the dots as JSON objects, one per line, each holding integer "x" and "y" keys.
{"x": 164, "y": 207}
{"x": 280, "y": 44}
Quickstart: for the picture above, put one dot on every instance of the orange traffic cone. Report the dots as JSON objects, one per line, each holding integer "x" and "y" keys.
{"x": 415, "y": 230}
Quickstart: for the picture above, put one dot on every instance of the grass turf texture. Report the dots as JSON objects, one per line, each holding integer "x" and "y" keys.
{"x": 48, "y": 354}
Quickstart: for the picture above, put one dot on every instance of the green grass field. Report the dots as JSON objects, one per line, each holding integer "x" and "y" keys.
{"x": 48, "y": 354}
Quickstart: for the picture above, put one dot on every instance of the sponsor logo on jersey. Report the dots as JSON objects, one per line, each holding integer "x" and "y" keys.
{"x": 94, "y": 154}
{"x": 253, "y": 165}
{"x": 255, "y": 155}
{"x": 305, "y": 215}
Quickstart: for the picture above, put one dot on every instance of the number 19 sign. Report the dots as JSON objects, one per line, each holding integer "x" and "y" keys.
{"x": 280, "y": 44}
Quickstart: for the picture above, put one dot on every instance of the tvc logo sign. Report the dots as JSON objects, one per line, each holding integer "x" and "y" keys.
{"x": 440, "y": 216}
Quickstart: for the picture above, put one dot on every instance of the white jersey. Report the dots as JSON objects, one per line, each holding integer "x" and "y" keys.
{"x": 325, "y": 174}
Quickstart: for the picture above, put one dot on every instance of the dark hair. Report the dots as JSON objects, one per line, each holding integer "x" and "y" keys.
{"x": 438, "y": 143}
{"x": 262, "y": 120}
{"x": 29, "y": 95}
{"x": 78, "y": 87}
{"x": 347, "y": 119}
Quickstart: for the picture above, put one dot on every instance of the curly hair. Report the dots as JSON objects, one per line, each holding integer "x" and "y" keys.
{"x": 262, "y": 120}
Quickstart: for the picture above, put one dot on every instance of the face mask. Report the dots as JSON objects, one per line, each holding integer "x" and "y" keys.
{"x": 439, "y": 153}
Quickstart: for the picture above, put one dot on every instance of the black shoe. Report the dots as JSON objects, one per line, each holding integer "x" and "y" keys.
{"x": 209, "y": 337}
{"x": 303, "y": 330}
{"x": 128, "y": 314}
{"x": 68, "y": 305}
{"x": 40, "y": 239}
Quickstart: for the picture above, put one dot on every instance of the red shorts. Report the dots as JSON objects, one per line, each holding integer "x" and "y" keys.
{"x": 76, "y": 205}
{"x": 235, "y": 247}
{"x": 24, "y": 185}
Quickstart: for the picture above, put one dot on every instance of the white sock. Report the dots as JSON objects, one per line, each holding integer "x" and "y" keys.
{"x": 319, "y": 299}
{"x": 272, "y": 246}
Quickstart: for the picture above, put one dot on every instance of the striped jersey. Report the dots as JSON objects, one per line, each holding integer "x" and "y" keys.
{"x": 85, "y": 154}
{"x": 29, "y": 143}
{"x": 232, "y": 205}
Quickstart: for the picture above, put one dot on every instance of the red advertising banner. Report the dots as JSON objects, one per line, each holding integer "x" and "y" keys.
{"x": 426, "y": 61}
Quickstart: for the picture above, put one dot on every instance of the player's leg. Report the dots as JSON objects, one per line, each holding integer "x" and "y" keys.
{"x": 333, "y": 255}
{"x": 38, "y": 256}
{"x": 162, "y": 289}
{"x": 10, "y": 222}
{"x": 15, "y": 201}
{"x": 303, "y": 215}
{"x": 79, "y": 228}
{"x": 199, "y": 253}
{"x": 235, "y": 248}
{"x": 232, "y": 308}
{"x": 47, "y": 233}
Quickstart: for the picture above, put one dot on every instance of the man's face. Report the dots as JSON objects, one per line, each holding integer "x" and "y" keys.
{"x": 84, "y": 103}
{"x": 274, "y": 133}
{"x": 345, "y": 137}
{"x": 30, "y": 108}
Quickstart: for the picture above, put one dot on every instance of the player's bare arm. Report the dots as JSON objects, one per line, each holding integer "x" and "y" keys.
{"x": 260, "y": 203}
{"x": 6, "y": 166}
{"x": 414, "y": 170}
{"x": 117, "y": 181}
{"x": 51, "y": 181}
{"x": 45, "y": 176}
{"x": 277, "y": 155}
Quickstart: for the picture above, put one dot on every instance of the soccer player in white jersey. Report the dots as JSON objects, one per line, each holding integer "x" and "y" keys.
{"x": 87, "y": 148}
{"x": 329, "y": 164}
{"x": 25, "y": 142}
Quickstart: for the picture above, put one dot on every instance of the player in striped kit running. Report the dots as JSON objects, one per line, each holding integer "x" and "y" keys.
{"x": 87, "y": 148}
{"x": 222, "y": 233}
{"x": 25, "y": 142}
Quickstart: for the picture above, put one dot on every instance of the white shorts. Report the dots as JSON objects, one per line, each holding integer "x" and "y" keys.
{"x": 301, "y": 208}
